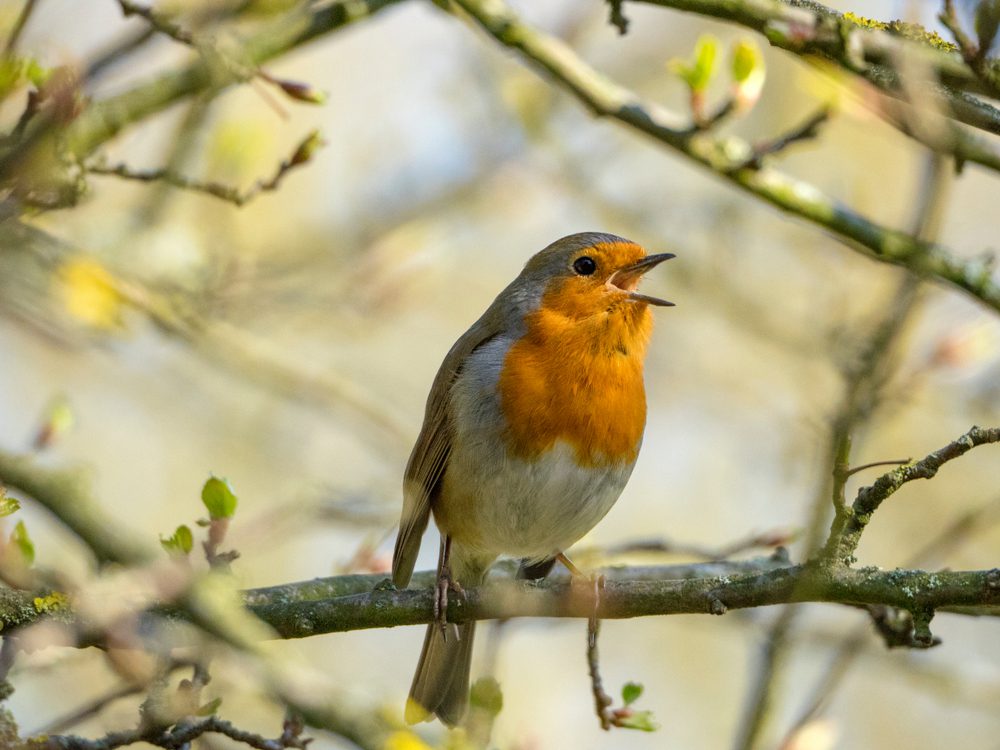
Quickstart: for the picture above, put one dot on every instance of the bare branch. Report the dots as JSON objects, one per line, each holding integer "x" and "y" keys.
{"x": 302, "y": 155}
{"x": 848, "y": 527}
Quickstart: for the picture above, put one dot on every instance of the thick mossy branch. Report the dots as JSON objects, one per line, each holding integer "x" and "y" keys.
{"x": 912, "y": 590}
{"x": 606, "y": 98}
{"x": 358, "y": 602}
{"x": 857, "y": 44}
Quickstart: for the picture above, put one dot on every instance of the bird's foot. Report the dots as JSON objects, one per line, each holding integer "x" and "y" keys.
{"x": 445, "y": 583}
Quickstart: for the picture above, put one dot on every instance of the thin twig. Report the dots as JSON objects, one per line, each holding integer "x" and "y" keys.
{"x": 602, "y": 701}
{"x": 88, "y": 710}
{"x": 973, "y": 54}
{"x": 175, "y": 737}
{"x": 891, "y": 462}
{"x": 15, "y": 33}
{"x": 807, "y": 130}
{"x": 753, "y": 541}
{"x": 158, "y": 22}
{"x": 301, "y": 155}
{"x": 846, "y": 535}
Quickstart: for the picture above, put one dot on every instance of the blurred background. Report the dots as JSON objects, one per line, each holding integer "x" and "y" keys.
{"x": 305, "y": 327}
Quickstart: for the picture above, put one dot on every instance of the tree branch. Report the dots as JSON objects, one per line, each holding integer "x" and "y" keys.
{"x": 869, "y": 49}
{"x": 103, "y": 119}
{"x": 606, "y": 98}
{"x": 850, "y": 523}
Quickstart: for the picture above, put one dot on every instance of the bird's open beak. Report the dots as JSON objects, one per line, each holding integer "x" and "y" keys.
{"x": 627, "y": 279}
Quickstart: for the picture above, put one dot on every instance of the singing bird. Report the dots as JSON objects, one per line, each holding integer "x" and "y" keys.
{"x": 531, "y": 430}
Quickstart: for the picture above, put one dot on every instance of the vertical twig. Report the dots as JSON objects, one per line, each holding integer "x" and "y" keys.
{"x": 15, "y": 33}
{"x": 865, "y": 380}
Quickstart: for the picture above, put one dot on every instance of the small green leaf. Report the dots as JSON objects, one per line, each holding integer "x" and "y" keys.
{"x": 748, "y": 73}
{"x": 486, "y": 695}
{"x": 631, "y": 692}
{"x": 8, "y": 505}
{"x": 219, "y": 498}
{"x": 210, "y": 708}
{"x": 699, "y": 70}
{"x": 641, "y": 720}
{"x": 20, "y": 539}
{"x": 181, "y": 541}
{"x": 747, "y": 60}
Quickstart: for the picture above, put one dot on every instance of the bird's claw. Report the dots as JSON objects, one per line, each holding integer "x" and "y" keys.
{"x": 445, "y": 583}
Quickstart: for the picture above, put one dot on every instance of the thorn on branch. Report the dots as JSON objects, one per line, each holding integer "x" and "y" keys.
{"x": 616, "y": 16}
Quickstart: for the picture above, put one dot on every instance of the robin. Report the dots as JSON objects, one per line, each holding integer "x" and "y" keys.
{"x": 532, "y": 427}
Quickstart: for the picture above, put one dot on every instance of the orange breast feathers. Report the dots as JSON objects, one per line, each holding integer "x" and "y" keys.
{"x": 577, "y": 376}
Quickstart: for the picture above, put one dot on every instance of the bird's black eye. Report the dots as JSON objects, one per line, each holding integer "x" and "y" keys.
{"x": 584, "y": 265}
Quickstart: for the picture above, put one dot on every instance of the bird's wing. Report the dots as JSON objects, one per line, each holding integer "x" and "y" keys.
{"x": 425, "y": 469}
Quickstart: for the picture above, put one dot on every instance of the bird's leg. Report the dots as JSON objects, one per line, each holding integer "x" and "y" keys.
{"x": 444, "y": 583}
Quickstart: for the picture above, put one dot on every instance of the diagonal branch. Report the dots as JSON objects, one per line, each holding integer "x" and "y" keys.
{"x": 105, "y": 118}
{"x": 850, "y": 523}
{"x": 869, "y": 49}
{"x": 606, "y": 98}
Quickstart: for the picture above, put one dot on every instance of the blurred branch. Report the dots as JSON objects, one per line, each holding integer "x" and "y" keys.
{"x": 176, "y": 736}
{"x": 206, "y": 600}
{"x": 950, "y": 537}
{"x": 105, "y": 118}
{"x": 15, "y": 33}
{"x": 865, "y": 376}
{"x": 869, "y": 49}
{"x": 157, "y": 21}
{"x": 65, "y": 494}
{"x": 974, "y": 54}
{"x": 219, "y": 343}
{"x": 302, "y": 155}
{"x": 606, "y": 98}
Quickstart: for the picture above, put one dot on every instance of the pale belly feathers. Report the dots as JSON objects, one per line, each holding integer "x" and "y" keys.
{"x": 497, "y": 503}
